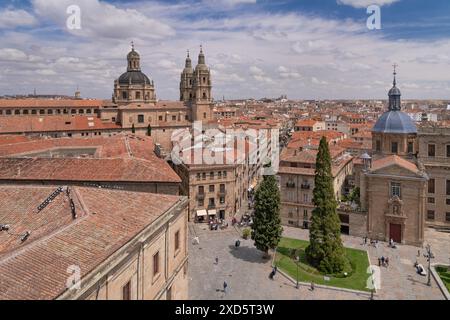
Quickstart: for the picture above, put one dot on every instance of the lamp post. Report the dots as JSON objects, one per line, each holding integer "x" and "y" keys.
{"x": 373, "y": 287}
{"x": 297, "y": 258}
{"x": 429, "y": 255}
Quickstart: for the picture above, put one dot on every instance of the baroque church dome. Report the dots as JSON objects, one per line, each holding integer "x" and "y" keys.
{"x": 134, "y": 75}
{"x": 394, "y": 120}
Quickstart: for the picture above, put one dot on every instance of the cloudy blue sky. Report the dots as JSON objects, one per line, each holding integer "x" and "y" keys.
{"x": 307, "y": 49}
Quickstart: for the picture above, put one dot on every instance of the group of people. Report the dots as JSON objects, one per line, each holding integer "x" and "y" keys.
{"x": 215, "y": 224}
{"x": 372, "y": 242}
{"x": 383, "y": 261}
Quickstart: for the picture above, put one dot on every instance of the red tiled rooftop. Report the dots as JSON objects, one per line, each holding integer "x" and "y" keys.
{"x": 49, "y": 103}
{"x": 394, "y": 160}
{"x": 108, "y": 219}
{"x": 87, "y": 169}
{"x": 23, "y": 124}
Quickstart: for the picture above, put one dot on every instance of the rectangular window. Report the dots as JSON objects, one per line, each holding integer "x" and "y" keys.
{"x": 431, "y": 183}
{"x": 447, "y": 188}
{"x": 177, "y": 240}
{"x": 156, "y": 264}
{"x": 305, "y": 198}
{"x": 211, "y": 202}
{"x": 211, "y": 175}
{"x": 224, "y": 174}
{"x": 201, "y": 203}
{"x": 378, "y": 145}
{"x": 410, "y": 147}
{"x": 201, "y": 189}
{"x": 447, "y": 201}
{"x": 448, "y": 151}
{"x": 219, "y": 174}
{"x": 305, "y": 214}
{"x": 211, "y": 188}
{"x": 395, "y": 189}
{"x": 431, "y": 150}
{"x": 222, "y": 200}
{"x": 394, "y": 147}
{"x": 198, "y": 176}
{"x": 174, "y": 118}
{"x": 430, "y": 200}
{"x": 204, "y": 176}
{"x": 138, "y": 95}
{"x": 140, "y": 118}
{"x": 447, "y": 216}
{"x": 222, "y": 188}
{"x": 430, "y": 215}
{"x": 160, "y": 118}
{"x": 126, "y": 291}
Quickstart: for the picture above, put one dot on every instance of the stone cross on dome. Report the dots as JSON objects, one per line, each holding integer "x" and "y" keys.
{"x": 395, "y": 65}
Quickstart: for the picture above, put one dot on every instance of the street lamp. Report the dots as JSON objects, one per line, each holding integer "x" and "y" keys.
{"x": 429, "y": 255}
{"x": 297, "y": 259}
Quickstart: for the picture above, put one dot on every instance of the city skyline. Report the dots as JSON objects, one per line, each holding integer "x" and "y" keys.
{"x": 255, "y": 48}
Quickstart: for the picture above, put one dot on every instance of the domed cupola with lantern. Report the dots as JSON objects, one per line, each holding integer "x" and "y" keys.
{"x": 394, "y": 132}
{"x": 133, "y": 85}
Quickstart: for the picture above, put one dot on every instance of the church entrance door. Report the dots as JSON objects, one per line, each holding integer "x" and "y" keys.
{"x": 395, "y": 232}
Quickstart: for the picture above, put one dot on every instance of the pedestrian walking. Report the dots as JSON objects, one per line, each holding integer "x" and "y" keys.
{"x": 217, "y": 260}
{"x": 379, "y": 262}
{"x": 312, "y": 286}
{"x": 382, "y": 260}
{"x": 365, "y": 240}
{"x": 387, "y": 261}
{"x": 225, "y": 286}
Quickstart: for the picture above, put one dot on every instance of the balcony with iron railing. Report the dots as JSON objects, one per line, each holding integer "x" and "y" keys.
{"x": 200, "y": 196}
{"x": 305, "y": 186}
{"x": 211, "y": 206}
{"x": 290, "y": 185}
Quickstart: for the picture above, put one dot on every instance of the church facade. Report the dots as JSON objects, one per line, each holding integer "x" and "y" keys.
{"x": 135, "y": 105}
{"x": 393, "y": 181}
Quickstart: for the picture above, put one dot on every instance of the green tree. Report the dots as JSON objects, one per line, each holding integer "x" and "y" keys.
{"x": 266, "y": 228}
{"x": 133, "y": 129}
{"x": 325, "y": 250}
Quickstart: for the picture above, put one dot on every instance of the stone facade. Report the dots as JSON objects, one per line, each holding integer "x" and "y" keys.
{"x": 153, "y": 267}
{"x": 434, "y": 153}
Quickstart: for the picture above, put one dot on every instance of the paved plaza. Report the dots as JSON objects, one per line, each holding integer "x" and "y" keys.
{"x": 247, "y": 273}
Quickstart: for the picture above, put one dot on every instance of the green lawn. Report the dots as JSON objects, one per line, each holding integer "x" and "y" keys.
{"x": 444, "y": 274}
{"x": 356, "y": 278}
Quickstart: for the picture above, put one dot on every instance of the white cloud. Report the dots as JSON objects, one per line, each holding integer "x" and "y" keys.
{"x": 366, "y": 3}
{"x": 10, "y": 19}
{"x": 100, "y": 19}
{"x": 251, "y": 53}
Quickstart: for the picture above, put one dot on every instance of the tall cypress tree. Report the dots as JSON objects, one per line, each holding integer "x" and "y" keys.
{"x": 266, "y": 228}
{"x": 325, "y": 250}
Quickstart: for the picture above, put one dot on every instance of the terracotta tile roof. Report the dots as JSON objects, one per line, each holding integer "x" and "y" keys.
{"x": 8, "y": 139}
{"x": 306, "y": 123}
{"x": 394, "y": 160}
{"x": 108, "y": 219}
{"x": 87, "y": 169}
{"x": 23, "y": 124}
{"x": 50, "y": 103}
{"x": 106, "y": 147}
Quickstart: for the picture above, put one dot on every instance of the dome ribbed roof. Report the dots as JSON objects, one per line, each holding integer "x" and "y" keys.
{"x": 395, "y": 122}
{"x": 136, "y": 77}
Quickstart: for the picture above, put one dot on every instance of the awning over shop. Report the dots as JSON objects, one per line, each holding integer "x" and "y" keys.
{"x": 201, "y": 213}
{"x": 212, "y": 212}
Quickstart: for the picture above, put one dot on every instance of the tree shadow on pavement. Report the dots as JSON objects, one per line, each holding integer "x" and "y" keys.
{"x": 252, "y": 255}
